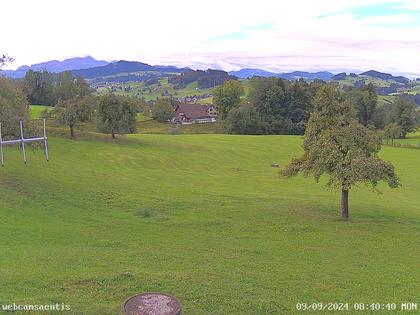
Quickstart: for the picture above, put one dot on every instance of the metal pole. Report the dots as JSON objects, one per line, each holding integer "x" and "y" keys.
{"x": 45, "y": 142}
{"x": 22, "y": 141}
{"x": 1, "y": 148}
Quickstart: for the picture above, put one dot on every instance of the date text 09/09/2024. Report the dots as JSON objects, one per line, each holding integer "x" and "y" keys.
{"x": 337, "y": 306}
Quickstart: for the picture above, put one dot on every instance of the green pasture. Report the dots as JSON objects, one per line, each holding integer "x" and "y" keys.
{"x": 155, "y": 91}
{"x": 36, "y": 110}
{"x": 205, "y": 218}
{"x": 412, "y": 140}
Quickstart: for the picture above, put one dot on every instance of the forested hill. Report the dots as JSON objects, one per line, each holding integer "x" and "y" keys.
{"x": 123, "y": 66}
{"x": 295, "y": 75}
{"x": 205, "y": 79}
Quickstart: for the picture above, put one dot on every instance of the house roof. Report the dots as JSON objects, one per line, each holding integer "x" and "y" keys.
{"x": 193, "y": 111}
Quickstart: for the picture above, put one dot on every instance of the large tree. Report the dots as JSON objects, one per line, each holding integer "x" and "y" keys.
{"x": 392, "y": 131}
{"x": 14, "y": 107}
{"x": 163, "y": 110}
{"x": 226, "y": 97}
{"x": 404, "y": 115}
{"x": 365, "y": 100}
{"x": 39, "y": 87}
{"x": 337, "y": 144}
{"x": 116, "y": 115}
{"x": 74, "y": 111}
{"x": 243, "y": 120}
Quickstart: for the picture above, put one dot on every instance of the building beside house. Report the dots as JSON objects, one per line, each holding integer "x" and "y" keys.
{"x": 194, "y": 113}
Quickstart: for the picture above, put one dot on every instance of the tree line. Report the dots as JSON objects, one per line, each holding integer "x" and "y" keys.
{"x": 205, "y": 79}
{"x": 45, "y": 88}
{"x": 277, "y": 106}
{"x": 76, "y": 104}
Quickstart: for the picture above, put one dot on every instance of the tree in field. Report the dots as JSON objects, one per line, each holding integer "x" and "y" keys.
{"x": 337, "y": 144}
{"x": 116, "y": 115}
{"x": 163, "y": 110}
{"x": 392, "y": 131}
{"x": 404, "y": 115}
{"x": 226, "y": 97}
{"x": 74, "y": 111}
{"x": 14, "y": 107}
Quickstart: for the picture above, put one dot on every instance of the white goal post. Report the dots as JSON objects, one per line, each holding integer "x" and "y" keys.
{"x": 22, "y": 142}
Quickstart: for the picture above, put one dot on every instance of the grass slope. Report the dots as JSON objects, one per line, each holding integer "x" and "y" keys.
{"x": 203, "y": 217}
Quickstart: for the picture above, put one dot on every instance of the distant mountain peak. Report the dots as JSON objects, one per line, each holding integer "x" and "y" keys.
{"x": 57, "y": 66}
{"x": 251, "y": 72}
{"x": 123, "y": 66}
{"x": 385, "y": 76}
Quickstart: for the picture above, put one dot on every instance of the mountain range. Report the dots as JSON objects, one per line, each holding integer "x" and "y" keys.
{"x": 124, "y": 67}
{"x": 295, "y": 75}
{"x": 99, "y": 70}
{"x": 56, "y": 66}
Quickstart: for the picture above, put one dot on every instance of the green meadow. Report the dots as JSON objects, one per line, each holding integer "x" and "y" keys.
{"x": 205, "y": 218}
{"x": 36, "y": 110}
{"x": 155, "y": 91}
{"x": 412, "y": 139}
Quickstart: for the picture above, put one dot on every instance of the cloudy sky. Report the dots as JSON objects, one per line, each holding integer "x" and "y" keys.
{"x": 277, "y": 35}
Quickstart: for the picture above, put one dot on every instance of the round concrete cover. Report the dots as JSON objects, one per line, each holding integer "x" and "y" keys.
{"x": 152, "y": 304}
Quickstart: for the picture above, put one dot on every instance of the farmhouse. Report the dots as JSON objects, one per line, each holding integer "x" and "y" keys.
{"x": 190, "y": 114}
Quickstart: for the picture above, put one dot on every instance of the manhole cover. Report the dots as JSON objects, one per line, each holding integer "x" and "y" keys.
{"x": 152, "y": 304}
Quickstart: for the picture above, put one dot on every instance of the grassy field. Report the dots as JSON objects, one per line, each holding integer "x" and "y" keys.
{"x": 412, "y": 139}
{"x": 145, "y": 125}
{"x": 36, "y": 110}
{"x": 350, "y": 81}
{"x": 203, "y": 217}
{"x": 154, "y": 127}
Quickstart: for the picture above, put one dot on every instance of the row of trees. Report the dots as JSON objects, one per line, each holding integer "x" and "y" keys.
{"x": 396, "y": 119}
{"x": 75, "y": 102}
{"x": 45, "y": 88}
{"x": 275, "y": 106}
{"x": 205, "y": 79}
{"x": 113, "y": 114}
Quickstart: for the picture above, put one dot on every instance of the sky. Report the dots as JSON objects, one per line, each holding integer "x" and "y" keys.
{"x": 276, "y": 35}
